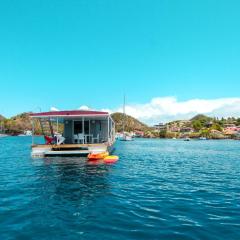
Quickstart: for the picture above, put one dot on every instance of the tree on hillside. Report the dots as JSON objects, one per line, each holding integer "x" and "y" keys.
{"x": 217, "y": 127}
{"x": 221, "y": 122}
{"x": 163, "y": 133}
{"x": 197, "y": 125}
{"x": 204, "y": 120}
{"x": 238, "y": 121}
{"x": 205, "y": 133}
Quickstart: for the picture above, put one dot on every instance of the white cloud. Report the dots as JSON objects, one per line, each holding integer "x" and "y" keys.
{"x": 83, "y": 107}
{"x": 54, "y": 109}
{"x": 163, "y": 109}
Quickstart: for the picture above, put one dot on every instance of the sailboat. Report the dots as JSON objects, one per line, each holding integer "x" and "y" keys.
{"x": 125, "y": 137}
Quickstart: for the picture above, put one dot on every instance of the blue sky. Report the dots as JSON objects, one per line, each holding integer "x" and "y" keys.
{"x": 72, "y": 53}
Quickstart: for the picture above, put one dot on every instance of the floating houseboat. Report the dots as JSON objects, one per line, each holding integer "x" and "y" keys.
{"x": 82, "y": 132}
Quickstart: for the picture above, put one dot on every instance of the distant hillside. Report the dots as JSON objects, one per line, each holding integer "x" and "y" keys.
{"x": 130, "y": 124}
{"x": 201, "y": 118}
{"x": 21, "y": 122}
{"x": 18, "y": 123}
{"x": 2, "y": 117}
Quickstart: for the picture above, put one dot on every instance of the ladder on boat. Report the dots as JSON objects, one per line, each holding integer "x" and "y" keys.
{"x": 46, "y": 126}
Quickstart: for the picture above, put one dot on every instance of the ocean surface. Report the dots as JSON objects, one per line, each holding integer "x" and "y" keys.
{"x": 159, "y": 189}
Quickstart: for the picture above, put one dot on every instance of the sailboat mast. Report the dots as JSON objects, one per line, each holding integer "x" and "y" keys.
{"x": 124, "y": 114}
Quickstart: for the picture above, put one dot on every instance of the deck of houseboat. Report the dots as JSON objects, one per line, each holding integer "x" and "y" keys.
{"x": 40, "y": 150}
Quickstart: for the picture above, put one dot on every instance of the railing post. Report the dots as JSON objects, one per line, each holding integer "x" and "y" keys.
{"x": 32, "y": 131}
{"x": 108, "y": 129}
{"x": 83, "y": 130}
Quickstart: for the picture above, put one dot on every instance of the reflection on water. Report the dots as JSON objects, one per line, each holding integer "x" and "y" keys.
{"x": 72, "y": 179}
{"x": 159, "y": 189}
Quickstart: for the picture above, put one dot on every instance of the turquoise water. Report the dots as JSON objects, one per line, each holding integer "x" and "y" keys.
{"x": 159, "y": 189}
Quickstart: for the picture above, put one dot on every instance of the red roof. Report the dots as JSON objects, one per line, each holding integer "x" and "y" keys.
{"x": 71, "y": 113}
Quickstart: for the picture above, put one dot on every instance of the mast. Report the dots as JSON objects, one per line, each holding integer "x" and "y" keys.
{"x": 124, "y": 114}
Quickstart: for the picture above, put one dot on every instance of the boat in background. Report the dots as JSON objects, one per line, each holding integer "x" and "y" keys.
{"x": 25, "y": 134}
{"x": 3, "y": 135}
{"x": 203, "y": 138}
{"x": 187, "y": 139}
{"x": 126, "y": 137}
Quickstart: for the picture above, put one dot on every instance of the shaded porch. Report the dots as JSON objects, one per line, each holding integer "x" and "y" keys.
{"x": 88, "y": 130}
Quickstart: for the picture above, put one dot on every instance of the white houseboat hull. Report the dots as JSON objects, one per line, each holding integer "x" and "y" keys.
{"x": 40, "y": 151}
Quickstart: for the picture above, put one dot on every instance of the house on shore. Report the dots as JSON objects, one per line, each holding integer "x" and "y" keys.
{"x": 160, "y": 127}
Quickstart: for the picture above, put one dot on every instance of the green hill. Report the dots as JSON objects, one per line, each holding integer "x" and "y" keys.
{"x": 201, "y": 118}
{"x": 18, "y": 124}
{"x": 131, "y": 123}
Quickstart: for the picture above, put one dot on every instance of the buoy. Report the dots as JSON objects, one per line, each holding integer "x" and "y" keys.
{"x": 111, "y": 159}
{"x": 97, "y": 156}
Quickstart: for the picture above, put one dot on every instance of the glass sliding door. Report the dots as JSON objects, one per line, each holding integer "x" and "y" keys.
{"x": 86, "y": 127}
{"x": 78, "y": 127}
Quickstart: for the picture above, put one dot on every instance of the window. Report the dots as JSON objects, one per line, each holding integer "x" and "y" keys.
{"x": 77, "y": 127}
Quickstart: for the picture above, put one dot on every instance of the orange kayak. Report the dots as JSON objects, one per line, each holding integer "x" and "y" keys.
{"x": 111, "y": 159}
{"x": 97, "y": 156}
